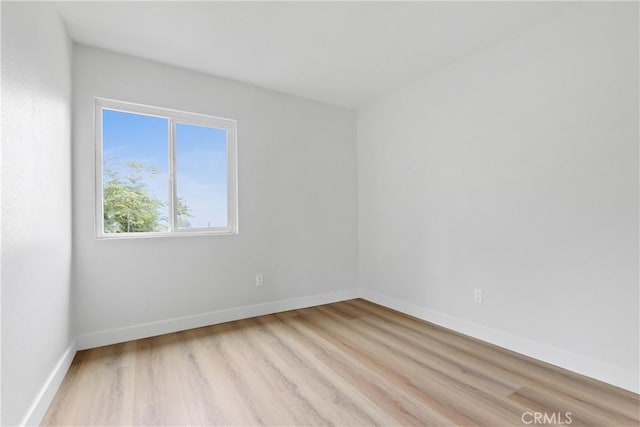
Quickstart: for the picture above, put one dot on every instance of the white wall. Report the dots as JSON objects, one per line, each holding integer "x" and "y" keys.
{"x": 36, "y": 202}
{"x": 515, "y": 171}
{"x": 297, "y": 203}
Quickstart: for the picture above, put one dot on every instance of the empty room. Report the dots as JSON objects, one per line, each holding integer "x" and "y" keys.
{"x": 348, "y": 213}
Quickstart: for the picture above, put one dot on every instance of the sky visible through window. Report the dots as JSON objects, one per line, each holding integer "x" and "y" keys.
{"x": 201, "y": 166}
{"x": 201, "y": 173}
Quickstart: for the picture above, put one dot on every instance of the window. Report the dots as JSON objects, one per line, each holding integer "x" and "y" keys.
{"x": 163, "y": 172}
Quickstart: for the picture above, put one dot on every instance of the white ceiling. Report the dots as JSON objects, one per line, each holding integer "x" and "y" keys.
{"x": 343, "y": 53}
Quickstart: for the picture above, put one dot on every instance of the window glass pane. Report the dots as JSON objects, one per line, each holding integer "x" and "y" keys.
{"x": 135, "y": 172}
{"x": 201, "y": 176}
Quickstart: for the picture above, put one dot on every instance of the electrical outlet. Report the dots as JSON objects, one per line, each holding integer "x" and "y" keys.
{"x": 259, "y": 280}
{"x": 477, "y": 296}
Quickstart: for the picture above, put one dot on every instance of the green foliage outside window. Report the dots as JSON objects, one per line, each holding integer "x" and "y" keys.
{"x": 129, "y": 205}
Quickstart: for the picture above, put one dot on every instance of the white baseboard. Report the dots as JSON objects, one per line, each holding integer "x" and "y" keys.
{"x": 144, "y": 330}
{"x": 48, "y": 390}
{"x": 599, "y": 370}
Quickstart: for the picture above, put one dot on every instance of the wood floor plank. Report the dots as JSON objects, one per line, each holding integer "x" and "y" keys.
{"x": 439, "y": 388}
{"x": 402, "y": 406}
{"x": 303, "y": 370}
{"x": 517, "y": 367}
{"x": 434, "y": 355}
{"x": 344, "y": 395}
{"x": 352, "y": 363}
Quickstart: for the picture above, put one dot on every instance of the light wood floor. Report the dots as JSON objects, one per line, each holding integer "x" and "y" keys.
{"x": 350, "y": 363}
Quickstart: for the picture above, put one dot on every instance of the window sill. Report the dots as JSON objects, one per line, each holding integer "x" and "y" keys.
{"x": 126, "y": 236}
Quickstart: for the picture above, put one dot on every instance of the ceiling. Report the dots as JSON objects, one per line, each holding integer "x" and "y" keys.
{"x": 342, "y": 53}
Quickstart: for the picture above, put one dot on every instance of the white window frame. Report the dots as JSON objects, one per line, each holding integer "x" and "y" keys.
{"x": 173, "y": 117}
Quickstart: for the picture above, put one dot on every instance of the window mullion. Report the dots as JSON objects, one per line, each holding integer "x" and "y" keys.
{"x": 173, "y": 198}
